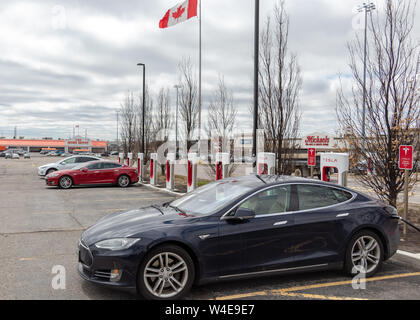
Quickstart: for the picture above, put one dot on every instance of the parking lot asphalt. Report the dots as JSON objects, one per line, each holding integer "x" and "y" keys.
{"x": 40, "y": 227}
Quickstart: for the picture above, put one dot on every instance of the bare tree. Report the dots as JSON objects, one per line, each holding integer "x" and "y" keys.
{"x": 392, "y": 108}
{"x": 221, "y": 119}
{"x": 128, "y": 122}
{"x": 162, "y": 118}
{"x": 279, "y": 88}
{"x": 162, "y": 123}
{"x": 188, "y": 102}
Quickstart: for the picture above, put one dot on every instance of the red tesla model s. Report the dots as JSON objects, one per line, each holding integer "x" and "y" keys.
{"x": 94, "y": 172}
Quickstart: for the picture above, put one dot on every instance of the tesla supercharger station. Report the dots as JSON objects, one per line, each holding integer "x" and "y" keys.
{"x": 170, "y": 172}
{"x": 140, "y": 165}
{"x": 337, "y": 161}
{"x": 153, "y": 169}
{"x": 222, "y": 165}
{"x": 130, "y": 159}
{"x": 192, "y": 165}
{"x": 121, "y": 158}
{"x": 266, "y": 163}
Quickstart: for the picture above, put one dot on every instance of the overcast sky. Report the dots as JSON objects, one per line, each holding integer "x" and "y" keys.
{"x": 71, "y": 62}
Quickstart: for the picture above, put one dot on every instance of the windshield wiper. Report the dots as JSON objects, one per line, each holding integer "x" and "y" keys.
{"x": 261, "y": 179}
{"x": 157, "y": 208}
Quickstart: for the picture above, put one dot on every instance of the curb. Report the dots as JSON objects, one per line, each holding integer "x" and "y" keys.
{"x": 408, "y": 257}
{"x": 161, "y": 189}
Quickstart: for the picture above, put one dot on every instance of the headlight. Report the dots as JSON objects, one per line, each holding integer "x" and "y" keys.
{"x": 116, "y": 244}
{"x": 52, "y": 175}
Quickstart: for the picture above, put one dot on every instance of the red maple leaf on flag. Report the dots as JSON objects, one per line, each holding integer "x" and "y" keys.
{"x": 178, "y": 12}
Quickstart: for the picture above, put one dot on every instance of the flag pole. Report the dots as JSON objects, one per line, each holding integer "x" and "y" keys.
{"x": 199, "y": 79}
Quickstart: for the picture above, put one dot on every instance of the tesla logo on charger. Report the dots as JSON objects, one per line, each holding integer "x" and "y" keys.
{"x": 328, "y": 160}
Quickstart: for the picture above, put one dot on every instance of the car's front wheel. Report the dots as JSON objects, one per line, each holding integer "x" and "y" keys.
{"x": 65, "y": 182}
{"x": 166, "y": 273}
{"x": 50, "y": 171}
{"x": 364, "y": 254}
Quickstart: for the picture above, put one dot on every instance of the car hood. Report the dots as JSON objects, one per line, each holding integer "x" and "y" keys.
{"x": 131, "y": 223}
{"x": 48, "y": 165}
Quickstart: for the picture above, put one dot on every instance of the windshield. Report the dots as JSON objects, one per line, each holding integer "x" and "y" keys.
{"x": 212, "y": 197}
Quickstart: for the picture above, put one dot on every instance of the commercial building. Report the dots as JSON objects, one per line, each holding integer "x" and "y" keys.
{"x": 68, "y": 145}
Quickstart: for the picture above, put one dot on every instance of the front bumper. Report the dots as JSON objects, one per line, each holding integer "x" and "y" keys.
{"x": 51, "y": 182}
{"x": 41, "y": 172}
{"x": 98, "y": 267}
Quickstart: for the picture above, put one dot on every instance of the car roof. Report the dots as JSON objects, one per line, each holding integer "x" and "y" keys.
{"x": 258, "y": 181}
{"x": 103, "y": 161}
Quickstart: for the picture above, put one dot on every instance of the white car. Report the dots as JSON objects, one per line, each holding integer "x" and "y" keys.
{"x": 65, "y": 164}
{"x": 15, "y": 156}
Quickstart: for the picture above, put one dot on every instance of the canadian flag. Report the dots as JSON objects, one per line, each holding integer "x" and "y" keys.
{"x": 179, "y": 13}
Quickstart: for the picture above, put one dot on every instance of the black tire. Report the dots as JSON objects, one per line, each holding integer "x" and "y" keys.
{"x": 65, "y": 182}
{"x": 145, "y": 289}
{"x": 50, "y": 171}
{"x": 123, "y": 181}
{"x": 350, "y": 268}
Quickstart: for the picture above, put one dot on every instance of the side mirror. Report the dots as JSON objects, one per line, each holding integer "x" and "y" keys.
{"x": 84, "y": 169}
{"x": 241, "y": 214}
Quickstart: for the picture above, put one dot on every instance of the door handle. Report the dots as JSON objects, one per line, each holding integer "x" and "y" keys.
{"x": 342, "y": 215}
{"x": 280, "y": 223}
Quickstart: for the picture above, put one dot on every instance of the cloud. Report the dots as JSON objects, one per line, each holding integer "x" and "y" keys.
{"x": 72, "y": 62}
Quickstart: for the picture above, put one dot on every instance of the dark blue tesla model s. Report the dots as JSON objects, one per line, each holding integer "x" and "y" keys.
{"x": 238, "y": 228}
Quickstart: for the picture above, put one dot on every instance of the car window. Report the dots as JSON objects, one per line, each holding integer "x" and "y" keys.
{"x": 107, "y": 165}
{"x": 69, "y": 161}
{"x": 313, "y": 196}
{"x": 85, "y": 159}
{"x": 274, "y": 200}
{"x": 94, "y": 166}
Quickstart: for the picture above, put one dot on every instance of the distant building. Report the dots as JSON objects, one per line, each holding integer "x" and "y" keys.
{"x": 69, "y": 145}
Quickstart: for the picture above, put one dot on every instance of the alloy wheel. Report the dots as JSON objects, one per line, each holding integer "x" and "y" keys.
{"x": 165, "y": 275}
{"x": 366, "y": 254}
{"x": 66, "y": 182}
{"x": 123, "y": 181}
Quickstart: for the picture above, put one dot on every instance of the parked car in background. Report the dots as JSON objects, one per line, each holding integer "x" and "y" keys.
{"x": 92, "y": 173}
{"x": 15, "y": 156}
{"x": 105, "y": 154}
{"x": 67, "y": 163}
{"x": 114, "y": 153}
{"x": 8, "y": 155}
{"x": 2, "y": 154}
{"x": 26, "y": 156}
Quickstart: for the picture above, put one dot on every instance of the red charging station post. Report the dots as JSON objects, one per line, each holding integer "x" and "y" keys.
{"x": 130, "y": 159}
{"x": 120, "y": 158}
{"x": 312, "y": 160}
{"x": 170, "y": 172}
{"x": 140, "y": 165}
{"x": 222, "y": 165}
{"x": 153, "y": 169}
{"x": 192, "y": 172}
{"x": 266, "y": 163}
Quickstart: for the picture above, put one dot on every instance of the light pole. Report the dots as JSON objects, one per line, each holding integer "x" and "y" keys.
{"x": 118, "y": 125}
{"x": 177, "y": 87}
{"x": 256, "y": 62}
{"x": 143, "y": 106}
{"x": 366, "y": 7}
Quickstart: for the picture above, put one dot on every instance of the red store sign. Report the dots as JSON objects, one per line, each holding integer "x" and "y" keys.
{"x": 406, "y": 158}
